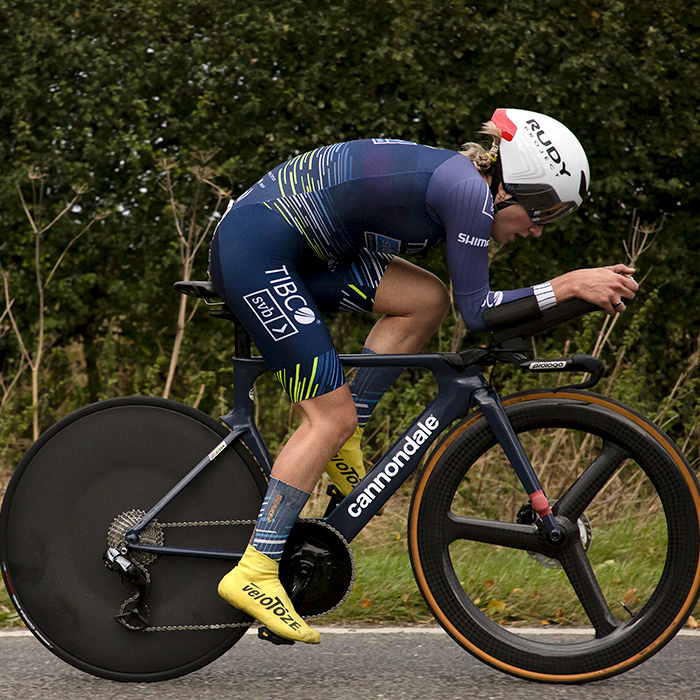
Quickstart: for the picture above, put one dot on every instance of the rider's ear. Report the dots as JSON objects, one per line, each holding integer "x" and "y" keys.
{"x": 501, "y": 195}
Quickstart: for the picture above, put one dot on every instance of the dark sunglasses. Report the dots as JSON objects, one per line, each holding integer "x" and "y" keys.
{"x": 506, "y": 203}
{"x": 535, "y": 216}
{"x": 541, "y": 205}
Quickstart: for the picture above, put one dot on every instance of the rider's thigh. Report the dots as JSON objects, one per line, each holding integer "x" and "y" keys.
{"x": 409, "y": 290}
{"x": 254, "y": 267}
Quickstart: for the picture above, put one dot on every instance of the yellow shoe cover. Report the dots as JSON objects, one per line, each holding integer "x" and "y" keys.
{"x": 347, "y": 468}
{"x": 254, "y": 587}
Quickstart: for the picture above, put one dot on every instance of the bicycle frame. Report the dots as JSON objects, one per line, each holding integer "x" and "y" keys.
{"x": 460, "y": 388}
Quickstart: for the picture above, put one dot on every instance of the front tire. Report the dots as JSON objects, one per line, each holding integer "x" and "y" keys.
{"x": 600, "y": 463}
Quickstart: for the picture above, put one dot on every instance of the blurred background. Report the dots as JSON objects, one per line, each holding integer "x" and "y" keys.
{"x": 126, "y": 127}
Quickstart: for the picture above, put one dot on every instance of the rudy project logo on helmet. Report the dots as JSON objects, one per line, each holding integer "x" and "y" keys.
{"x": 543, "y": 143}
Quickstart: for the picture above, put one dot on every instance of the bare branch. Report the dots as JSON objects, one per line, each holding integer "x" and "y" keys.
{"x": 79, "y": 192}
{"x": 8, "y": 309}
{"x": 167, "y": 166}
{"x": 641, "y": 238}
{"x": 97, "y": 217}
{"x": 26, "y": 211}
{"x": 205, "y": 157}
{"x": 191, "y": 241}
{"x": 207, "y": 228}
{"x": 7, "y": 390}
{"x": 192, "y": 313}
{"x": 676, "y": 393}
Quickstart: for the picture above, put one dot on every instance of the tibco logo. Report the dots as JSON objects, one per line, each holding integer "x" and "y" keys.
{"x": 400, "y": 458}
{"x": 294, "y": 302}
{"x": 304, "y": 315}
{"x": 272, "y": 309}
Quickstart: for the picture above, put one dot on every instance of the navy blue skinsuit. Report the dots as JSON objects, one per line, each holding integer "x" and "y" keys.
{"x": 317, "y": 233}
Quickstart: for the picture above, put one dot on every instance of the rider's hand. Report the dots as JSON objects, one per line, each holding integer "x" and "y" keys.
{"x": 608, "y": 287}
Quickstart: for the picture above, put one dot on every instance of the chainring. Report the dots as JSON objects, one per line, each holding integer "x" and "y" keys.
{"x": 317, "y": 569}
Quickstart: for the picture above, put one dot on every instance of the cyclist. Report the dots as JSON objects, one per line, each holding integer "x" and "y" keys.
{"x": 321, "y": 232}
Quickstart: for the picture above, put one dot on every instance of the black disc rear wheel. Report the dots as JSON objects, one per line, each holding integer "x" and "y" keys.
{"x": 630, "y": 567}
{"x": 79, "y": 486}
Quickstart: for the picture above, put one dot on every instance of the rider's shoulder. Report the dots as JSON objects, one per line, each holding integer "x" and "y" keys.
{"x": 458, "y": 172}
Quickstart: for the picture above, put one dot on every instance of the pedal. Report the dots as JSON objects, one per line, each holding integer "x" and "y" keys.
{"x": 270, "y": 636}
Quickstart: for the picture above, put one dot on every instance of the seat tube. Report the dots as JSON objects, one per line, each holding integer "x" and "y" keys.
{"x": 492, "y": 408}
{"x": 245, "y": 372}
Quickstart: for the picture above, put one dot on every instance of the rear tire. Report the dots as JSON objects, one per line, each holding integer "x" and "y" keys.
{"x": 467, "y": 509}
{"x": 98, "y": 463}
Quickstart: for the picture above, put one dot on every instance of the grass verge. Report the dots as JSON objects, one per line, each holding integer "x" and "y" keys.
{"x": 9, "y": 619}
{"x": 507, "y": 585}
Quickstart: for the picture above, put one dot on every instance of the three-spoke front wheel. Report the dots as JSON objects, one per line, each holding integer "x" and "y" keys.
{"x": 629, "y": 568}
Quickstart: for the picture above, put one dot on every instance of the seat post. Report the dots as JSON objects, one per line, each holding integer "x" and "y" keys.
{"x": 242, "y": 341}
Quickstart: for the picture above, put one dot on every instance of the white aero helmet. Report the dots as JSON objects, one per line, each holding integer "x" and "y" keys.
{"x": 543, "y": 164}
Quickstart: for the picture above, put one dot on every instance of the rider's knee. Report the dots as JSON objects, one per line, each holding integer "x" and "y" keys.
{"x": 345, "y": 422}
{"x": 334, "y": 417}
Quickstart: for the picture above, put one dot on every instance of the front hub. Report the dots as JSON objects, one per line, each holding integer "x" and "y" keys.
{"x": 570, "y": 530}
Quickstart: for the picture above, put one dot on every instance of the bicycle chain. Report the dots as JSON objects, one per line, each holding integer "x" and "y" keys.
{"x": 209, "y": 522}
{"x": 152, "y": 534}
{"x": 153, "y": 529}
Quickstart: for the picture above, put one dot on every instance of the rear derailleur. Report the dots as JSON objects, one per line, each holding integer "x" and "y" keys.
{"x": 134, "y": 613}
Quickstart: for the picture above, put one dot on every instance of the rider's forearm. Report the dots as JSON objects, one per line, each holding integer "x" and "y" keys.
{"x": 567, "y": 286}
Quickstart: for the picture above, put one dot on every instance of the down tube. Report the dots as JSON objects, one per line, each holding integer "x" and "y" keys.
{"x": 385, "y": 477}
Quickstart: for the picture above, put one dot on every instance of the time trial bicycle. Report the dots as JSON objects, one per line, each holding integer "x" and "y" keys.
{"x": 155, "y": 497}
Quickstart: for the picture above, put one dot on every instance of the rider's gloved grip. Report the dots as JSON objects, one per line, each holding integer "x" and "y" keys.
{"x": 550, "y": 318}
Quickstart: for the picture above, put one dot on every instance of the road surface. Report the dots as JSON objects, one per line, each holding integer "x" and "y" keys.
{"x": 403, "y": 663}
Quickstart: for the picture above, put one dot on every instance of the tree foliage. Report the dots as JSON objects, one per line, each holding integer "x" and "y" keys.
{"x": 96, "y": 96}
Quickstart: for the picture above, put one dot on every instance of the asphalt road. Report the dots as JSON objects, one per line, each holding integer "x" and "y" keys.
{"x": 377, "y": 663}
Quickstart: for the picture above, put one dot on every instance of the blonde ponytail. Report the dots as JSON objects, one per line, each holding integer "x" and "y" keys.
{"x": 485, "y": 161}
